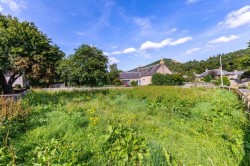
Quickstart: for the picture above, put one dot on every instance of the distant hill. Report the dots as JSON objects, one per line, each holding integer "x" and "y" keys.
{"x": 237, "y": 60}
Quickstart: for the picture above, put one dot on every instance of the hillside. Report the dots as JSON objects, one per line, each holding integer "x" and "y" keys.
{"x": 237, "y": 60}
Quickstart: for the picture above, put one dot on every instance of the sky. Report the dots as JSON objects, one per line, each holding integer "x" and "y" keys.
{"x": 139, "y": 32}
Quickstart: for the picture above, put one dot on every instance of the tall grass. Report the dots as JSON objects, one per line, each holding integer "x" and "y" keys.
{"x": 139, "y": 126}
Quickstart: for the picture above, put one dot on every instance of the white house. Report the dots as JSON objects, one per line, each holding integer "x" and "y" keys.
{"x": 20, "y": 80}
{"x": 143, "y": 75}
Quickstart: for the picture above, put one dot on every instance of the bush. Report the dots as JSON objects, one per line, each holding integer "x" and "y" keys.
{"x": 117, "y": 82}
{"x": 208, "y": 78}
{"x": 226, "y": 81}
{"x": 162, "y": 79}
{"x": 134, "y": 83}
{"x": 17, "y": 86}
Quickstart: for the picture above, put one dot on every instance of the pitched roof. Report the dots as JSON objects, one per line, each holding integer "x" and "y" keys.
{"x": 148, "y": 71}
{"x": 215, "y": 72}
{"x": 130, "y": 75}
{"x": 140, "y": 72}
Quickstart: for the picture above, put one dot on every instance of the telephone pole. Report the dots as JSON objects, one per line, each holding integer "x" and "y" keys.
{"x": 221, "y": 77}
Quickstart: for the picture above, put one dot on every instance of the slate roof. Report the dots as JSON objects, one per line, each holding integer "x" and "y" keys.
{"x": 148, "y": 71}
{"x": 130, "y": 75}
{"x": 140, "y": 72}
{"x": 215, "y": 72}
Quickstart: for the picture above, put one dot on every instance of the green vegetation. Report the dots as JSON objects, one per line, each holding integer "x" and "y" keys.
{"x": 17, "y": 86}
{"x": 226, "y": 81}
{"x": 113, "y": 75}
{"x": 237, "y": 60}
{"x": 134, "y": 83}
{"x": 208, "y": 78}
{"x": 25, "y": 49}
{"x": 167, "y": 79}
{"x": 139, "y": 126}
{"x": 88, "y": 66}
{"x": 246, "y": 74}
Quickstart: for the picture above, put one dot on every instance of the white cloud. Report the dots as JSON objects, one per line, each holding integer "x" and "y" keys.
{"x": 113, "y": 60}
{"x": 115, "y": 53}
{"x": 13, "y": 5}
{"x": 223, "y": 39}
{"x": 156, "y": 45}
{"x": 152, "y": 45}
{"x": 192, "y": 51}
{"x": 238, "y": 18}
{"x": 129, "y": 50}
{"x": 125, "y": 51}
{"x": 192, "y": 1}
{"x": 181, "y": 40}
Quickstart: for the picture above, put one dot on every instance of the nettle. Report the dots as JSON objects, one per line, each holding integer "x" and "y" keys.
{"x": 123, "y": 145}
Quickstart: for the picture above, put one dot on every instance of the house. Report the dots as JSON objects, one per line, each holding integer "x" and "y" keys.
{"x": 216, "y": 73}
{"x": 20, "y": 80}
{"x": 143, "y": 75}
{"x": 233, "y": 76}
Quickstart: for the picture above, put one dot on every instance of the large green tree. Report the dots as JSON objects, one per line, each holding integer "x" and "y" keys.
{"x": 24, "y": 50}
{"x": 87, "y": 66}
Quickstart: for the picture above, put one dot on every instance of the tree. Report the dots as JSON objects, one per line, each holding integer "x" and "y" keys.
{"x": 87, "y": 66}
{"x": 113, "y": 75}
{"x": 246, "y": 74}
{"x": 24, "y": 50}
{"x": 248, "y": 44}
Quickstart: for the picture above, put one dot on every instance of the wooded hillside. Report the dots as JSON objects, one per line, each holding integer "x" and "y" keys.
{"x": 238, "y": 60}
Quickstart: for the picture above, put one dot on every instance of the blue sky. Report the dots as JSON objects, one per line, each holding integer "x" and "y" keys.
{"x": 138, "y": 32}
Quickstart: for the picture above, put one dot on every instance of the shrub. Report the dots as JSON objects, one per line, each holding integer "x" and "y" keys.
{"x": 134, "y": 83}
{"x": 17, "y": 86}
{"x": 168, "y": 79}
{"x": 226, "y": 81}
{"x": 208, "y": 78}
{"x": 117, "y": 82}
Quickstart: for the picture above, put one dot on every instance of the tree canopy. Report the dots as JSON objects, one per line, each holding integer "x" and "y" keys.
{"x": 24, "y": 50}
{"x": 113, "y": 75}
{"x": 87, "y": 66}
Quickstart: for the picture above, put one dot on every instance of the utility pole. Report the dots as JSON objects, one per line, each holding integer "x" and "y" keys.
{"x": 221, "y": 73}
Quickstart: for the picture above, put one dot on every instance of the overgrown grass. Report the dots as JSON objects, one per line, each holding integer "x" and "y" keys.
{"x": 139, "y": 126}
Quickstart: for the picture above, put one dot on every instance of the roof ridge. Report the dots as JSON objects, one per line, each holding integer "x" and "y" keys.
{"x": 150, "y": 66}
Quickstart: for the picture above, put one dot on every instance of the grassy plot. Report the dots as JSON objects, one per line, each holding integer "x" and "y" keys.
{"x": 140, "y": 126}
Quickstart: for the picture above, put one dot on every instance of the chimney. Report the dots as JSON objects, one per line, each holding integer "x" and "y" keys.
{"x": 162, "y": 61}
{"x": 138, "y": 68}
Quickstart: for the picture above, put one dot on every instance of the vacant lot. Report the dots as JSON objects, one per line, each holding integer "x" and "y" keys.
{"x": 140, "y": 126}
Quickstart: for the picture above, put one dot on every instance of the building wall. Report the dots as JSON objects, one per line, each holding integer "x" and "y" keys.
{"x": 163, "y": 70}
{"x": 138, "y": 80}
{"x": 19, "y": 80}
{"x": 146, "y": 80}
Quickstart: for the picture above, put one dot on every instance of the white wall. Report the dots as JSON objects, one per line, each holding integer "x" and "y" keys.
{"x": 18, "y": 81}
